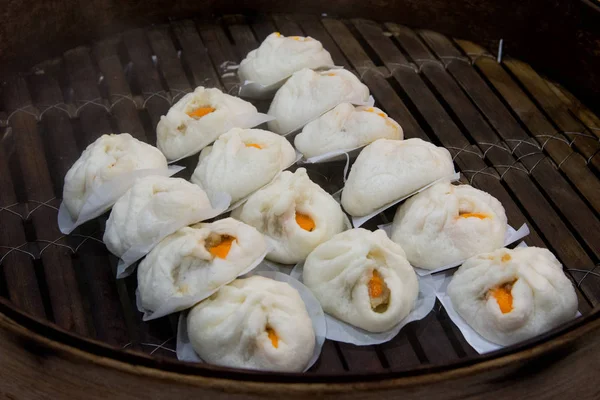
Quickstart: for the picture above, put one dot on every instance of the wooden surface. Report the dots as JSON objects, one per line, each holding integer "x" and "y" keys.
{"x": 40, "y": 368}
{"x": 528, "y": 142}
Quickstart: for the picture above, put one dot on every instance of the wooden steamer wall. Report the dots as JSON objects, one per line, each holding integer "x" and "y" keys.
{"x": 69, "y": 330}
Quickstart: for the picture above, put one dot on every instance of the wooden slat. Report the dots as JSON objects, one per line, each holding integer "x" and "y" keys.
{"x": 195, "y": 55}
{"x": 156, "y": 100}
{"x": 584, "y": 114}
{"x": 263, "y": 26}
{"x": 329, "y": 362}
{"x": 220, "y": 50}
{"x": 571, "y": 163}
{"x": 172, "y": 73}
{"x": 399, "y": 351}
{"x": 456, "y": 338}
{"x": 63, "y": 291}
{"x": 17, "y": 267}
{"x": 582, "y": 140}
{"x": 123, "y": 105}
{"x": 106, "y": 308}
{"x": 361, "y": 358}
{"x": 169, "y": 64}
{"x": 243, "y": 36}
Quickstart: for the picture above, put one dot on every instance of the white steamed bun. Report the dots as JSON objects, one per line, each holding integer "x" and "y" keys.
{"x": 242, "y": 161}
{"x": 197, "y": 260}
{"x": 346, "y": 127}
{"x": 255, "y": 323}
{"x": 508, "y": 296}
{"x": 295, "y": 214}
{"x": 362, "y": 278}
{"x": 445, "y": 224}
{"x": 149, "y": 208}
{"x": 109, "y": 157}
{"x": 387, "y": 170}
{"x": 198, "y": 119}
{"x": 308, "y": 94}
{"x": 279, "y": 57}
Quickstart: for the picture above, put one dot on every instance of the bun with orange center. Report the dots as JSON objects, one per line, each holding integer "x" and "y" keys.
{"x": 279, "y": 56}
{"x": 295, "y": 214}
{"x": 198, "y": 119}
{"x": 346, "y": 127}
{"x": 362, "y": 278}
{"x": 508, "y": 296}
{"x": 196, "y": 260}
{"x": 307, "y": 94}
{"x": 242, "y": 161}
{"x": 255, "y": 323}
{"x": 447, "y": 223}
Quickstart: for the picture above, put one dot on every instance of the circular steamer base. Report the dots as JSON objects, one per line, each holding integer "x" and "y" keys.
{"x": 68, "y": 329}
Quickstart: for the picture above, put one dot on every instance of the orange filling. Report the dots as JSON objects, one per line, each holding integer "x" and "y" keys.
{"x": 305, "y": 222}
{"x": 258, "y": 146}
{"x": 472, "y": 215}
{"x": 200, "y": 112}
{"x": 331, "y": 74}
{"x": 376, "y": 285}
{"x": 503, "y": 297}
{"x": 222, "y": 248}
{"x": 273, "y": 337}
{"x": 277, "y": 34}
{"x": 371, "y": 109}
{"x": 506, "y": 257}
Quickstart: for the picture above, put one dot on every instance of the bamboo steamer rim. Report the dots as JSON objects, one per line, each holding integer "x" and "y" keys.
{"x": 49, "y": 339}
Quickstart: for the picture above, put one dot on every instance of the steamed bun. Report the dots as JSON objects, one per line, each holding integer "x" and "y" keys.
{"x": 295, "y": 214}
{"x": 387, "y": 170}
{"x": 154, "y": 207}
{"x": 109, "y": 157}
{"x": 279, "y": 57}
{"x": 255, "y": 323}
{"x": 308, "y": 94}
{"x": 242, "y": 161}
{"x": 346, "y": 127}
{"x": 508, "y": 296}
{"x": 197, "y": 260}
{"x": 445, "y": 224}
{"x": 198, "y": 119}
{"x": 362, "y": 278}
